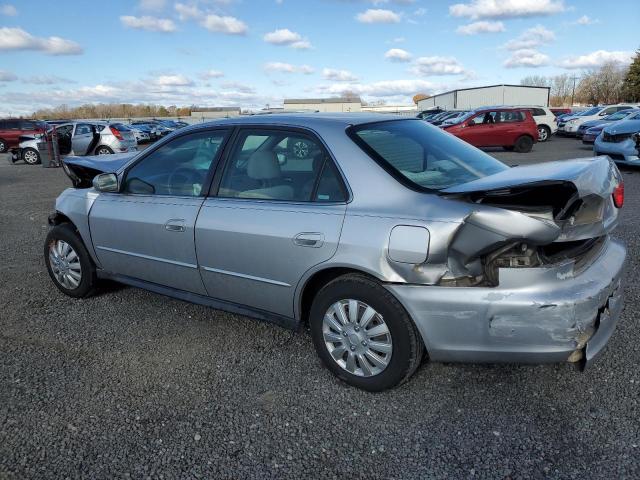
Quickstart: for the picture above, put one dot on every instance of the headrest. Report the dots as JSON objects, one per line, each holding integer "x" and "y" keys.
{"x": 263, "y": 166}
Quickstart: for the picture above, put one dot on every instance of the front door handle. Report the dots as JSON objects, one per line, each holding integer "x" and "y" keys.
{"x": 309, "y": 239}
{"x": 175, "y": 225}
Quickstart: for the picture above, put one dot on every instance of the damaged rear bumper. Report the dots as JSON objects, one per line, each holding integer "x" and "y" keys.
{"x": 536, "y": 315}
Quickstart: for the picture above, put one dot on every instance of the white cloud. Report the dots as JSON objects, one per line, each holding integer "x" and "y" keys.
{"x": 282, "y": 67}
{"x": 384, "y": 88}
{"x": 172, "y": 81}
{"x": 209, "y": 74}
{"x": 8, "y": 10}
{"x": 480, "y": 27}
{"x": 378, "y": 15}
{"x": 596, "y": 59}
{"x": 238, "y": 87}
{"x": 284, "y": 36}
{"x": 151, "y": 24}
{"x": 527, "y": 58}
{"x": 6, "y": 76}
{"x": 47, "y": 80}
{"x": 437, "y": 66}
{"x": 506, "y": 8}
{"x": 18, "y": 39}
{"x": 531, "y": 38}
{"x": 152, "y": 5}
{"x": 397, "y": 55}
{"x": 226, "y": 24}
{"x": 187, "y": 12}
{"x": 585, "y": 20}
{"x": 338, "y": 75}
{"x": 419, "y": 12}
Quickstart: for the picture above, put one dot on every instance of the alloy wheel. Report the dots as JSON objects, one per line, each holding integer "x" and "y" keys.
{"x": 65, "y": 264}
{"x": 542, "y": 134}
{"x": 357, "y": 338}
{"x": 30, "y": 157}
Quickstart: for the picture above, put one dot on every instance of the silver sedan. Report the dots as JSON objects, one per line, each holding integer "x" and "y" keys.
{"x": 389, "y": 238}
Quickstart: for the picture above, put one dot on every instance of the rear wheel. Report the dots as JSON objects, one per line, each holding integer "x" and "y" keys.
{"x": 363, "y": 334}
{"x": 103, "y": 150}
{"x": 544, "y": 133}
{"x": 31, "y": 156}
{"x": 68, "y": 262}
{"x": 524, "y": 144}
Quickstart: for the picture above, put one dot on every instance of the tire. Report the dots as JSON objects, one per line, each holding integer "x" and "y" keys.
{"x": 402, "y": 342}
{"x": 103, "y": 150}
{"x": 524, "y": 144}
{"x": 59, "y": 262}
{"x": 3, "y": 146}
{"x": 544, "y": 133}
{"x": 31, "y": 156}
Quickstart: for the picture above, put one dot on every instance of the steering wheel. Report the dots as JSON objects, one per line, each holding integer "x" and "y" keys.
{"x": 180, "y": 179}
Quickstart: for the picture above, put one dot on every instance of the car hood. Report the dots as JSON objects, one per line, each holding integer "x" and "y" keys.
{"x": 622, "y": 127}
{"x": 82, "y": 170}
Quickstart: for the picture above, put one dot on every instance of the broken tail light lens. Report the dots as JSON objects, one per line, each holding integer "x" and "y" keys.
{"x": 116, "y": 133}
{"x": 618, "y": 195}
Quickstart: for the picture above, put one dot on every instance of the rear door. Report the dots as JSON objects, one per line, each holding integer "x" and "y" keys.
{"x": 277, "y": 212}
{"x": 147, "y": 230}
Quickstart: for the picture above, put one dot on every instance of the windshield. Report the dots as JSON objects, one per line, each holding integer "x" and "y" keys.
{"x": 591, "y": 111}
{"x": 420, "y": 155}
{"x": 618, "y": 115}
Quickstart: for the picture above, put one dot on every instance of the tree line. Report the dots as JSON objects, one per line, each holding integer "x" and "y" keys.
{"x": 112, "y": 110}
{"x": 610, "y": 83}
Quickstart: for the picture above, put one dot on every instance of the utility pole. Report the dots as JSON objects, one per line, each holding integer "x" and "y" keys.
{"x": 573, "y": 91}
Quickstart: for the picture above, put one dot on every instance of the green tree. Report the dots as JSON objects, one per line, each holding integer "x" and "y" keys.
{"x": 631, "y": 86}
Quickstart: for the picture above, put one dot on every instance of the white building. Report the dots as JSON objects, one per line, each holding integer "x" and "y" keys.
{"x": 339, "y": 104}
{"x": 470, "y": 98}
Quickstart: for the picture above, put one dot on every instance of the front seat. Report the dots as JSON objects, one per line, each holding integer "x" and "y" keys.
{"x": 264, "y": 167}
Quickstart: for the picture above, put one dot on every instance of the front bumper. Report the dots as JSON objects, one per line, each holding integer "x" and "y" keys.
{"x": 536, "y": 315}
{"x": 624, "y": 152}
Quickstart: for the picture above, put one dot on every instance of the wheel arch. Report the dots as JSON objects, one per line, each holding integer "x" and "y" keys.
{"x": 318, "y": 279}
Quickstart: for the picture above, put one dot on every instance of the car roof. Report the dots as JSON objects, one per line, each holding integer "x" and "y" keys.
{"x": 308, "y": 120}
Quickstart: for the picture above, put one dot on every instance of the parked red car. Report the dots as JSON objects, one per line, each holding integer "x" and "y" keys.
{"x": 12, "y": 128}
{"x": 510, "y": 128}
{"x": 560, "y": 111}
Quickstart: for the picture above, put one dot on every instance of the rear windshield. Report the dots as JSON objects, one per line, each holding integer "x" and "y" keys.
{"x": 422, "y": 156}
{"x": 121, "y": 127}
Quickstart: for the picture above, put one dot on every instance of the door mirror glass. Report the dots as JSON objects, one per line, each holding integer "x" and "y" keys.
{"x": 106, "y": 182}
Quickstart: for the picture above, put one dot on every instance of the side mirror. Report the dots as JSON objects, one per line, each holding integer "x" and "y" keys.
{"x": 106, "y": 182}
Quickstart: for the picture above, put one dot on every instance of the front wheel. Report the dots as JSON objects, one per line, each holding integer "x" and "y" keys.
{"x": 31, "y": 156}
{"x": 524, "y": 144}
{"x": 363, "y": 334}
{"x": 68, "y": 262}
{"x": 3, "y": 146}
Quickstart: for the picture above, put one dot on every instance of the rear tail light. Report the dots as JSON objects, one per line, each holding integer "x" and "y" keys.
{"x": 618, "y": 195}
{"x": 116, "y": 133}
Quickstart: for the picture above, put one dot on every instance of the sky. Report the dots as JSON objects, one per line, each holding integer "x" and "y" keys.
{"x": 253, "y": 53}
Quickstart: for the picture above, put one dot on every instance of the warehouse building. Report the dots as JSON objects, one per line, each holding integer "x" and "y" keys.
{"x": 470, "y": 98}
{"x": 338, "y": 104}
{"x": 215, "y": 112}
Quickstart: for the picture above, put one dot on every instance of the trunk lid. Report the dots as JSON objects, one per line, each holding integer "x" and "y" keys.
{"x": 576, "y": 195}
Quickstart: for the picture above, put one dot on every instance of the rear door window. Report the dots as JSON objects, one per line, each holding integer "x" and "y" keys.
{"x": 281, "y": 165}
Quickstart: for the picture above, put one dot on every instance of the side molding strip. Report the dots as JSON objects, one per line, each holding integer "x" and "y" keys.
{"x": 249, "y": 277}
{"x": 147, "y": 257}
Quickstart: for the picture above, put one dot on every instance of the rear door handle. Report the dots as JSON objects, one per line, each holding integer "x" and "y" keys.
{"x": 309, "y": 239}
{"x": 175, "y": 225}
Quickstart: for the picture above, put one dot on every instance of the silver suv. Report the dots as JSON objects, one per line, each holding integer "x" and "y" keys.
{"x": 388, "y": 237}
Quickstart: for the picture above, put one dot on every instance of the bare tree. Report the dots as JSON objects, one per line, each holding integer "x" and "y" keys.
{"x": 536, "y": 81}
{"x": 602, "y": 85}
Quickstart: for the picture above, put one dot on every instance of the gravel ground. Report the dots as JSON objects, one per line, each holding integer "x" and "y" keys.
{"x": 133, "y": 384}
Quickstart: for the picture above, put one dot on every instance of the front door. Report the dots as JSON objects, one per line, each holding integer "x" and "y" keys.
{"x": 278, "y": 212}
{"x": 147, "y": 230}
{"x": 82, "y": 138}
{"x": 479, "y": 130}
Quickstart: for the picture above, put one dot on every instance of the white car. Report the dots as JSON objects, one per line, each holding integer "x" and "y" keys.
{"x": 569, "y": 126}
{"x": 546, "y": 121}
